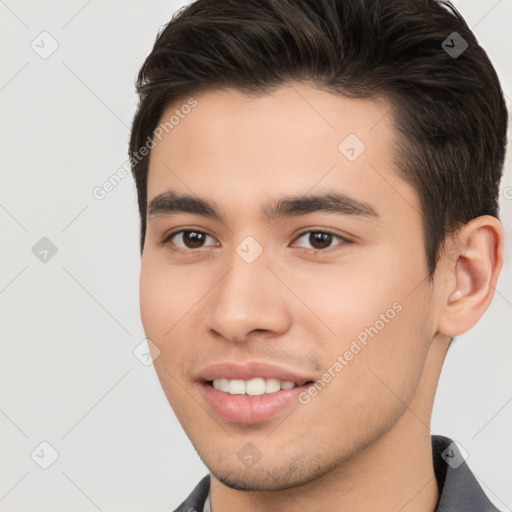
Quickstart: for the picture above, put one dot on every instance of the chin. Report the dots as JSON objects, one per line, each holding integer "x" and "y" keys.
{"x": 291, "y": 474}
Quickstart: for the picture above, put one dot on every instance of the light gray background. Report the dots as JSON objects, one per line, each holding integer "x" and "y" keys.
{"x": 68, "y": 375}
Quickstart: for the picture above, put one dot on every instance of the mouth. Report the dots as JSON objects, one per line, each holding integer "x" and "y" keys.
{"x": 250, "y": 393}
{"x": 254, "y": 387}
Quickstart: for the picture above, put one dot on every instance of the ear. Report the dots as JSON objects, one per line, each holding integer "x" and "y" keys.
{"x": 472, "y": 262}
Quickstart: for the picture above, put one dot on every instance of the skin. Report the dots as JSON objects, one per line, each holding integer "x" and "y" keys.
{"x": 363, "y": 443}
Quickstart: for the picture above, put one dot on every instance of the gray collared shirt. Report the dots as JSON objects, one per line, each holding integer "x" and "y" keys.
{"x": 459, "y": 489}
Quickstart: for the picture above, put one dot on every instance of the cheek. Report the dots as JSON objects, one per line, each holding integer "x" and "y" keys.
{"x": 170, "y": 305}
{"x": 381, "y": 322}
{"x": 160, "y": 312}
{"x": 164, "y": 295}
{"x": 339, "y": 302}
{"x": 152, "y": 301}
{"x": 369, "y": 382}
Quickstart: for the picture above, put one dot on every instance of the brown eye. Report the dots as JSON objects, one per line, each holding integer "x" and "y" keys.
{"x": 319, "y": 240}
{"x": 189, "y": 239}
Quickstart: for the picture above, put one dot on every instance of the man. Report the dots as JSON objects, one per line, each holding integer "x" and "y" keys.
{"x": 317, "y": 183}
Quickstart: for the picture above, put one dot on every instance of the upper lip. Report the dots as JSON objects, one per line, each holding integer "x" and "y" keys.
{"x": 249, "y": 371}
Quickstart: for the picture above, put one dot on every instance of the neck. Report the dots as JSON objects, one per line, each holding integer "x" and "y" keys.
{"x": 394, "y": 473}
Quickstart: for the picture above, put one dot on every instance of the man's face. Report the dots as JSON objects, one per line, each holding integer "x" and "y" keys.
{"x": 335, "y": 295}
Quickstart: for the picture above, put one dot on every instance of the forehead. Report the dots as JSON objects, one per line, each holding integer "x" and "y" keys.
{"x": 230, "y": 145}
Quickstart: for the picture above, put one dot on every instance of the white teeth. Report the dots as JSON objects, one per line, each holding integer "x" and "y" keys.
{"x": 236, "y": 387}
{"x": 253, "y": 387}
{"x": 272, "y": 386}
{"x": 223, "y": 385}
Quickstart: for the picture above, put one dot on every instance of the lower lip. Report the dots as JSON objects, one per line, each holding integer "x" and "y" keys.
{"x": 249, "y": 409}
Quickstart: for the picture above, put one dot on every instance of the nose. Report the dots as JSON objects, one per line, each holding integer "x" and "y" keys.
{"x": 249, "y": 299}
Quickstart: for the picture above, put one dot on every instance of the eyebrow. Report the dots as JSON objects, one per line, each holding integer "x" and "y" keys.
{"x": 171, "y": 202}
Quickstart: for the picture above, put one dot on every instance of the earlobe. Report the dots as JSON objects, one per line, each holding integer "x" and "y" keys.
{"x": 473, "y": 260}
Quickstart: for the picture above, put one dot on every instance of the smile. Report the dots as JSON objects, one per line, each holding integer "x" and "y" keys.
{"x": 253, "y": 387}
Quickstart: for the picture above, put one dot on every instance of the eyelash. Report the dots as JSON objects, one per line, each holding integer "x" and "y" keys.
{"x": 342, "y": 239}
